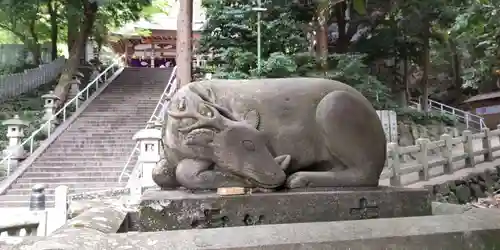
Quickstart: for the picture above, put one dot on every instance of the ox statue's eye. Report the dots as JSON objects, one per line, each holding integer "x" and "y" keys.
{"x": 204, "y": 110}
{"x": 182, "y": 105}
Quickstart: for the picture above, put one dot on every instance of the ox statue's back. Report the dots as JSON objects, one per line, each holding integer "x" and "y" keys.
{"x": 270, "y": 133}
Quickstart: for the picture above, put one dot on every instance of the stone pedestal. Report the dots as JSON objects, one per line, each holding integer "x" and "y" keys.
{"x": 179, "y": 209}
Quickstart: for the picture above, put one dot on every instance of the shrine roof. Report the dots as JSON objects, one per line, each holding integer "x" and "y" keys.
{"x": 162, "y": 21}
{"x": 133, "y": 29}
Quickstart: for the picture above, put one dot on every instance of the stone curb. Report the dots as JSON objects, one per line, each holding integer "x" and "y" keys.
{"x": 102, "y": 219}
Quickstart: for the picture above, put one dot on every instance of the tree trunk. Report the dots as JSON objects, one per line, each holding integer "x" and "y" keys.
{"x": 73, "y": 22}
{"x": 406, "y": 89}
{"x": 53, "y": 28}
{"x": 322, "y": 15}
{"x": 36, "y": 52}
{"x": 33, "y": 45}
{"x": 457, "y": 94}
{"x": 62, "y": 87}
{"x": 343, "y": 41}
{"x": 424, "y": 84}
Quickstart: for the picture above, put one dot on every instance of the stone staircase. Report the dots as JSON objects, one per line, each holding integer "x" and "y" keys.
{"x": 90, "y": 154}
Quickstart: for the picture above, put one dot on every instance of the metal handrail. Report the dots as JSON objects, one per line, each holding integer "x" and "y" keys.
{"x": 48, "y": 124}
{"x": 170, "y": 89}
{"x": 468, "y": 117}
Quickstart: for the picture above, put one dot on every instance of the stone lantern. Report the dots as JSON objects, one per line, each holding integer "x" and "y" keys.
{"x": 50, "y": 105}
{"x": 15, "y": 132}
{"x": 74, "y": 88}
{"x": 78, "y": 75}
{"x": 149, "y": 154}
{"x": 158, "y": 124}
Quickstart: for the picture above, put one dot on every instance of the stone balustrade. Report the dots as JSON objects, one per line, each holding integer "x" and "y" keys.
{"x": 447, "y": 155}
{"x": 37, "y": 220}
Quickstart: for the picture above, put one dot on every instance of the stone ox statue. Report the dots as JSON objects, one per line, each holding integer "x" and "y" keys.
{"x": 270, "y": 133}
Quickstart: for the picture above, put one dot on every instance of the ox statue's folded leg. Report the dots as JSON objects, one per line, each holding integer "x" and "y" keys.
{"x": 164, "y": 175}
{"x": 200, "y": 174}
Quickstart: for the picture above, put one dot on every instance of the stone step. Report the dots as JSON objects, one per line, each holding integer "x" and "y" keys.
{"x": 21, "y": 204}
{"x": 69, "y": 184}
{"x": 92, "y": 149}
{"x": 67, "y": 179}
{"x": 65, "y": 167}
{"x": 24, "y": 198}
{"x": 101, "y": 135}
{"x": 67, "y": 173}
{"x": 51, "y": 191}
{"x": 132, "y": 121}
{"x": 114, "y": 141}
{"x": 101, "y": 126}
{"x": 82, "y": 161}
{"x": 84, "y": 146}
{"x": 105, "y": 131}
{"x": 101, "y": 155}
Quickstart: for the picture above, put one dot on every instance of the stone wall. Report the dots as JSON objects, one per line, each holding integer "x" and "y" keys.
{"x": 468, "y": 188}
{"x": 409, "y": 132}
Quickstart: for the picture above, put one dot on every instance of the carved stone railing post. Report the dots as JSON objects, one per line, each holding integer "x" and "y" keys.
{"x": 447, "y": 154}
{"x": 396, "y": 164}
{"x": 37, "y": 199}
{"x": 149, "y": 155}
{"x": 468, "y": 149}
{"x": 488, "y": 155}
{"x": 423, "y": 158}
{"x": 15, "y": 132}
{"x": 50, "y": 106}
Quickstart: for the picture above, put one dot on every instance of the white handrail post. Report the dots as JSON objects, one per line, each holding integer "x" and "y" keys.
{"x": 14, "y": 152}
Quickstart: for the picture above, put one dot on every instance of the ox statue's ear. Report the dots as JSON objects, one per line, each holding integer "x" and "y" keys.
{"x": 252, "y": 117}
{"x": 205, "y": 92}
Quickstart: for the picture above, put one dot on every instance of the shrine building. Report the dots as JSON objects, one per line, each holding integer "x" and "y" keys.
{"x": 154, "y": 43}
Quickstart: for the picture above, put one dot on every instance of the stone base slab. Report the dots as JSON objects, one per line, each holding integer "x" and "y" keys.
{"x": 179, "y": 209}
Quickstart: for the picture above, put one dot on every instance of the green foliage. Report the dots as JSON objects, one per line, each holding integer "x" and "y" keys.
{"x": 278, "y": 65}
{"x": 351, "y": 69}
{"x": 230, "y": 34}
{"x": 422, "y": 118}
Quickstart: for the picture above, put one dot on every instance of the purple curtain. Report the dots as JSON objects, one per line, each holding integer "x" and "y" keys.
{"x": 135, "y": 62}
